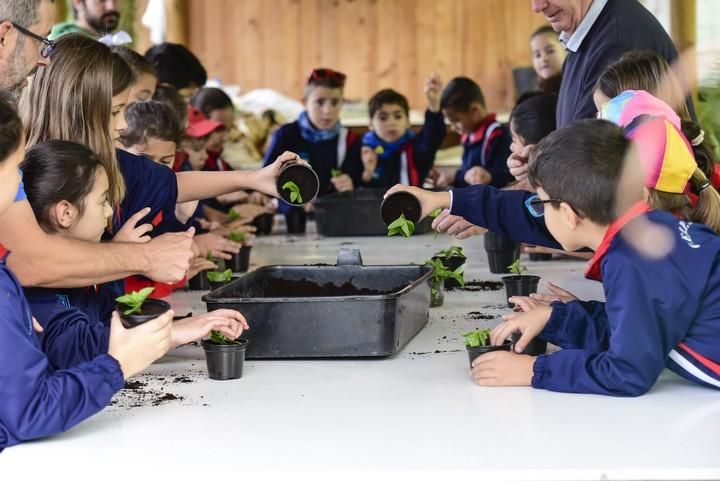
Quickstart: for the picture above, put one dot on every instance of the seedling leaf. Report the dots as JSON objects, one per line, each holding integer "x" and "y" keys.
{"x": 295, "y": 196}
{"x": 517, "y": 268}
{"x": 134, "y": 300}
{"x": 435, "y": 213}
{"x": 238, "y": 237}
{"x": 233, "y": 215}
{"x": 477, "y": 338}
{"x": 223, "y": 276}
{"x": 219, "y": 338}
{"x": 335, "y": 173}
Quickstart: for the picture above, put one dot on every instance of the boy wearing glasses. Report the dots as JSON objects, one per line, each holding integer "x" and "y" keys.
{"x": 660, "y": 274}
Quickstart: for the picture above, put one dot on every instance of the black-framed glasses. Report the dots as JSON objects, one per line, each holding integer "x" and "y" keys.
{"x": 536, "y": 206}
{"x": 47, "y": 45}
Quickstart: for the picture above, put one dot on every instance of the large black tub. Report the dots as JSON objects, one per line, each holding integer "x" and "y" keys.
{"x": 347, "y": 310}
{"x": 355, "y": 213}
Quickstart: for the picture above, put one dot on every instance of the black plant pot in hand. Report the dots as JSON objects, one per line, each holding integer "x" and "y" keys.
{"x": 400, "y": 203}
{"x": 304, "y": 177}
{"x": 474, "y": 352}
{"x": 240, "y": 262}
{"x": 151, "y": 309}
{"x": 263, "y": 224}
{"x": 501, "y": 252}
{"x": 520, "y": 286}
{"x": 295, "y": 220}
{"x": 225, "y": 361}
{"x": 451, "y": 264}
{"x": 536, "y": 347}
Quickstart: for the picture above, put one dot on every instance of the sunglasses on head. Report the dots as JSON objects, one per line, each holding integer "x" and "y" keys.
{"x": 320, "y": 74}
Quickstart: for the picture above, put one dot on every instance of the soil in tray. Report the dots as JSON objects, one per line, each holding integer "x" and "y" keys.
{"x": 303, "y": 288}
{"x": 474, "y": 286}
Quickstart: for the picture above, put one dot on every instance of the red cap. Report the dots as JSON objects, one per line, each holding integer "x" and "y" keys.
{"x": 199, "y": 125}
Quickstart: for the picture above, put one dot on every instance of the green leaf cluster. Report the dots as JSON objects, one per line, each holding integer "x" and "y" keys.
{"x": 294, "y": 190}
{"x": 401, "y": 225}
{"x": 134, "y": 300}
{"x": 477, "y": 338}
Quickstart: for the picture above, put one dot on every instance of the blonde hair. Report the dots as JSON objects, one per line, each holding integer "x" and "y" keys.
{"x": 71, "y": 99}
{"x": 707, "y": 210}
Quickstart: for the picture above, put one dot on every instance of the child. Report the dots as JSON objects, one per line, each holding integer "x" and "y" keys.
{"x": 548, "y": 57}
{"x": 75, "y": 322}
{"x": 176, "y": 66}
{"x": 530, "y": 122}
{"x": 391, "y": 152}
{"x": 39, "y": 400}
{"x": 486, "y": 143}
{"x": 145, "y": 77}
{"x": 661, "y": 307}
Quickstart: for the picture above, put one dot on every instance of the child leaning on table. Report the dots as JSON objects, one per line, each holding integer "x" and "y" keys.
{"x": 662, "y": 309}
{"x": 39, "y": 400}
{"x": 76, "y": 322}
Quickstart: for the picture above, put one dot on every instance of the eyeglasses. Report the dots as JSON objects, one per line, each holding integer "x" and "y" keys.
{"x": 536, "y": 206}
{"x": 327, "y": 74}
{"x": 48, "y": 45}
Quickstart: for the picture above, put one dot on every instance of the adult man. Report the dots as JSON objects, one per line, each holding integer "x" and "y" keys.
{"x": 92, "y": 17}
{"x": 41, "y": 260}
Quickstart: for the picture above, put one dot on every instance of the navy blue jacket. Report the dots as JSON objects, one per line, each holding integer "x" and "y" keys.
{"x": 658, "y": 312}
{"x": 622, "y": 26}
{"x": 38, "y": 400}
{"x": 490, "y": 154}
{"x": 76, "y": 323}
{"x": 424, "y": 146}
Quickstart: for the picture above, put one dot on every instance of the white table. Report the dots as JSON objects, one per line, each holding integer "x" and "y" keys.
{"x": 414, "y": 416}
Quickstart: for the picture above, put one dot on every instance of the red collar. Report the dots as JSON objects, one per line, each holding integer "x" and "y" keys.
{"x": 479, "y": 134}
{"x": 593, "y": 271}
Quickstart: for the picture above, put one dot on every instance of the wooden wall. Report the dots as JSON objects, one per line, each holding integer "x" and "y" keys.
{"x": 378, "y": 43}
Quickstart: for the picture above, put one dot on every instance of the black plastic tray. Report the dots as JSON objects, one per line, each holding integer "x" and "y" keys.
{"x": 355, "y": 213}
{"x": 347, "y": 310}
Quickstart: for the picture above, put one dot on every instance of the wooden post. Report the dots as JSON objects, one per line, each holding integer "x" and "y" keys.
{"x": 683, "y": 29}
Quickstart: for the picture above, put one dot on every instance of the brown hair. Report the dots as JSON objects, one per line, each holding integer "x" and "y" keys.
{"x": 71, "y": 99}
{"x": 707, "y": 210}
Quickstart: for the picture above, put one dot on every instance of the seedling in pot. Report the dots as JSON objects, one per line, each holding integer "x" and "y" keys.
{"x": 452, "y": 258}
{"x": 219, "y": 338}
{"x": 401, "y": 225}
{"x": 134, "y": 300}
{"x": 238, "y": 237}
{"x": 477, "y": 338}
{"x": 294, "y": 190}
{"x": 222, "y": 276}
{"x": 477, "y": 343}
{"x": 233, "y": 215}
{"x": 517, "y": 268}
{"x": 440, "y": 275}
{"x": 225, "y": 357}
{"x": 519, "y": 284}
{"x": 335, "y": 173}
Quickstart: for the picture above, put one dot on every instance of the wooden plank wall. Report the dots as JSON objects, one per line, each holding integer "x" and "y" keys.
{"x": 378, "y": 43}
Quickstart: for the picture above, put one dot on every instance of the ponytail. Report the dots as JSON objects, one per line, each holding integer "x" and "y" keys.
{"x": 708, "y": 207}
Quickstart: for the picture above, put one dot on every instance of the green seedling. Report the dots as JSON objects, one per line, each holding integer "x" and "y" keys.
{"x": 401, "y": 225}
{"x": 233, "y": 215}
{"x": 219, "y": 338}
{"x": 220, "y": 276}
{"x": 295, "y": 196}
{"x": 477, "y": 338}
{"x": 450, "y": 252}
{"x": 440, "y": 272}
{"x": 134, "y": 300}
{"x": 335, "y": 173}
{"x": 238, "y": 237}
{"x": 517, "y": 268}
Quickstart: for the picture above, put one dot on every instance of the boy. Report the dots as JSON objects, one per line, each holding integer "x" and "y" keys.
{"x": 391, "y": 152}
{"x": 39, "y": 401}
{"x": 486, "y": 142}
{"x": 663, "y": 298}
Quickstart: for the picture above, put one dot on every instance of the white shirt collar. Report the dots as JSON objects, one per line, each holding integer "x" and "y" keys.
{"x": 573, "y": 42}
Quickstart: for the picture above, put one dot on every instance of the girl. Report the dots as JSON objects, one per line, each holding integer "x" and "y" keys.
{"x": 40, "y": 400}
{"x": 68, "y": 188}
{"x": 548, "y": 57}
{"x": 145, "y": 76}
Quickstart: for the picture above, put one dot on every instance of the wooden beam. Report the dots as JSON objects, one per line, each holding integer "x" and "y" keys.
{"x": 683, "y": 28}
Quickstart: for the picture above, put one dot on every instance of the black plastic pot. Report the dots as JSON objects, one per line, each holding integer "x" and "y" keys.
{"x": 536, "y": 256}
{"x": 501, "y": 252}
{"x": 536, "y": 347}
{"x": 240, "y": 262}
{"x": 263, "y": 224}
{"x": 400, "y": 203}
{"x": 304, "y": 177}
{"x": 520, "y": 286}
{"x": 151, "y": 309}
{"x": 437, "y": 293}
{"x": 199, "y": 283}
{"x": 451, "y": 264}
{"x": 295, "y": 220}
{"x": 474, "y": 352}
{"x": 225, "y": 361}
{"x": 217, "y": 285}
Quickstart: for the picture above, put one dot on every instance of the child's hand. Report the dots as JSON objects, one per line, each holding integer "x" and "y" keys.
{"x": 185, "y": 210}
{"x": 342, "y": 183}
{"x": 216, "y": 245}
{"x": 229, "y": 322}
{"x": 502, "y": 368}
{"x": 137, "y": 348}
{"x": 265, "y": 178}
{"x": 433, "y": 91}
{"x": 456, "y": 225}
{"x": 518, "y": 161}
{"x": 131, "y": 232}
{"x": 429, "y": 201}
{"x": 556, "y": 294}
{"x": 248, "y": 212}
{"x": 370, "y": 161}
{"x": 198, "y": 265}
{"x": 477, "y": 175}
{"x": 529, "y": 323}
